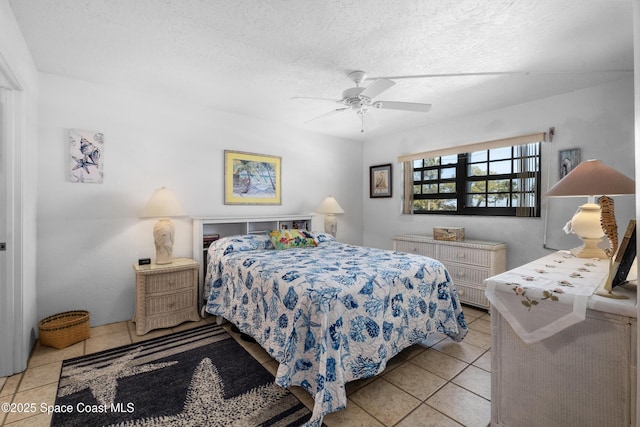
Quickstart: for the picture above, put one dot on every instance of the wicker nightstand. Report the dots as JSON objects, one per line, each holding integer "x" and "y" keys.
{"x": 166, "y": 295}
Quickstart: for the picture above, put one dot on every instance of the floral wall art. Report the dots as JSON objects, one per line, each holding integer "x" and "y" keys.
{"x": 86, "y": 156}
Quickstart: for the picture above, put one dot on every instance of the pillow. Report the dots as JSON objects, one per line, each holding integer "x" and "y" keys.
{"x": 285, "y": 239}
{"x": 323, "y": 237}
{"x": 249, "y": 242}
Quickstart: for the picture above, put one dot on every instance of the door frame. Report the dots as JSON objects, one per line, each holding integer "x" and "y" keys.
{"x": 13, "y": 357}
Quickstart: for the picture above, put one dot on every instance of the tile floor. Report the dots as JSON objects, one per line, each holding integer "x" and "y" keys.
{"x": 417, "y": 388}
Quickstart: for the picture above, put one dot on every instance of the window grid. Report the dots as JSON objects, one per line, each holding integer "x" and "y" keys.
{"x": 496, "y": 181}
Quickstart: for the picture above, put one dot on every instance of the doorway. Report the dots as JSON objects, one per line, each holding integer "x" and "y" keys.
{"x": 14, "y": 350}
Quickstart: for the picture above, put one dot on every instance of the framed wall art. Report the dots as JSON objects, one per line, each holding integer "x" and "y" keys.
{"x": 568, "y": 160}
{"x": 86, "y": 156}
{"x": 251, "y": 179}
{"x": 380, "y": 181}
{"x": 626, "y": 255}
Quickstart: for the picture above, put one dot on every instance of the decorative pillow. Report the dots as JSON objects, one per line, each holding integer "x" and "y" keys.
{"x": 323, "y": 237}
{"x": 285, "y": 239}
{"x": 249, "y": 242}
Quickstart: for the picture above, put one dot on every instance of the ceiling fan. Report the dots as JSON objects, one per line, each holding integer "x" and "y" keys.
{"x": 361, "y": 100}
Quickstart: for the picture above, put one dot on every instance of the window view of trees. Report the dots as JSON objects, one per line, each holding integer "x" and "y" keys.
{"x": 488, "y": 182}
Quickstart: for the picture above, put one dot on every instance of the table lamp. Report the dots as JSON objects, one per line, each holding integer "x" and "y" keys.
{"x": 163, "y": 205}
{"x": 590, "y": 178}
{"x": 331, "y": 208}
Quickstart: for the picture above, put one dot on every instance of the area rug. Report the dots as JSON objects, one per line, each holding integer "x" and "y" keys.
{"x": 200, "y": 377}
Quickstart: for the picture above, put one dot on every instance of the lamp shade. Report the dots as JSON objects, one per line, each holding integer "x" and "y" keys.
{"x": 592, "y": 178}
{"x": 330, "y": 206}
{"x": 162, "y": 204}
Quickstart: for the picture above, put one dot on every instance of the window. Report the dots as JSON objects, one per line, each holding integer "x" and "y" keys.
{"x": 494, "y": 181}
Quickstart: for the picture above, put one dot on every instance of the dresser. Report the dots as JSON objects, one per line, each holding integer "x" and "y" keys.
{"x": 166, "y": 295}
{"x": 578, "y": 372}
{"x": 469, "y": 262}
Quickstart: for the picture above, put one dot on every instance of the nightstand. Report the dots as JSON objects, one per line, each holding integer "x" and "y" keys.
{"x": 166, "y": 295}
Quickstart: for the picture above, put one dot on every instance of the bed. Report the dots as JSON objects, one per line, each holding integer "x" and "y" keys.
{"x": 328, "y": 312}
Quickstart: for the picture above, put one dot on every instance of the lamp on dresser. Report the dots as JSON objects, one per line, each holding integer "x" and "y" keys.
{"x": 331, "y": 208}
{"x": 163, "y": 205}
{"x": 591, "y": 178}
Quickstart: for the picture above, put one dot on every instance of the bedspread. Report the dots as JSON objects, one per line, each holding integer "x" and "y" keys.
{"x": 333, "y": 313}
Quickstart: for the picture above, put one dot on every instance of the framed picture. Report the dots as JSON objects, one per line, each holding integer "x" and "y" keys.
{"x": 568, "y": 159}
{"x": 626, "y": 255}
{"x": 86, "y": 162}
{"x": 251, "y": 179}
{"x": 380, "y": 181}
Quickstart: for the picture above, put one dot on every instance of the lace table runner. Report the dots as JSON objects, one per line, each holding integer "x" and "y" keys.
{"x": 543, "y": 297}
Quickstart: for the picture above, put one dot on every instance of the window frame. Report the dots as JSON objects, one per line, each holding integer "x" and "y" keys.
{"x": 463, "y": 178}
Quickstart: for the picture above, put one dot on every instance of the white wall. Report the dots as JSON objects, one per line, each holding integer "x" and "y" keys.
{"x": 89, "y": 235}
{"x": 599, "y": 120}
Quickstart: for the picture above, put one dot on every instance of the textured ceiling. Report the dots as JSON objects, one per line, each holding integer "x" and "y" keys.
{"x": 251, "y": 57}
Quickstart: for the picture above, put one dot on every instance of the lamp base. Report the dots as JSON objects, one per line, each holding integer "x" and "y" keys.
{"x": 586, "y": 225}
{"x": 331, "y": 224}
{"x": 590, "y": 249}
{"x": 163, "y": 237}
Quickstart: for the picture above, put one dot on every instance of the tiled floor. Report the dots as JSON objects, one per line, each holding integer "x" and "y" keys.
{"x": 445, "y": 385}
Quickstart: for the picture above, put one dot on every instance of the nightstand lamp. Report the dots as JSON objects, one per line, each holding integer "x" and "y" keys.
{"x": 591, "y": 178}
{"x": 331, "y": 208}
{"x": 163, "y": 205}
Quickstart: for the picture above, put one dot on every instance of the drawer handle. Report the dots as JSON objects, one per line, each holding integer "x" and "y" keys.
{"x": 414, "y": 250}
{"x": 460, "y": 273}
{"x": 461, "y": 255}
{"x": 171, "y": 305}
{"x": 172, "y": 283}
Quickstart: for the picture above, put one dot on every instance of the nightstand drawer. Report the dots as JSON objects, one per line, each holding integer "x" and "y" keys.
{"x": 168, "y": 303}
{"x": 169, "y": 281}
{"x": 465, "y": 255}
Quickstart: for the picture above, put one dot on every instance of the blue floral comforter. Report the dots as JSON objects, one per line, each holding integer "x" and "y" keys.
{"x": 331, "y": 313}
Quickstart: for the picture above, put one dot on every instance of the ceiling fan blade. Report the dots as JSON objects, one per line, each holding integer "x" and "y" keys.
{"x": 377, "y": 87}
{"x": 330, "y": 113}
{"x": 317, "y": 99}
{"x": 404, "y": 106}
{"x": 495, "y": 73}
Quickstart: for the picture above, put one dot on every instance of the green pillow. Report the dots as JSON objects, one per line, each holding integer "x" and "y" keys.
{"x": 285, "y": 239}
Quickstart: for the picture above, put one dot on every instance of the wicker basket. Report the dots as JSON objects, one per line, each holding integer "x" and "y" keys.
{"x": 63, "y": 329}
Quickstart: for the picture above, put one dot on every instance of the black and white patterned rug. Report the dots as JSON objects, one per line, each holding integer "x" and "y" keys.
{"x": 200, "y": 377}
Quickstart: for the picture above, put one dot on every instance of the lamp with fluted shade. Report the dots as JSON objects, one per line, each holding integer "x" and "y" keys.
{"x": 331, "y": 208}
{"x": 591, "y": 178}
{"x": 163, "y": 205}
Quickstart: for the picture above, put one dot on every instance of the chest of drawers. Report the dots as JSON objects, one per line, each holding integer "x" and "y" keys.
{"x": 166, "y": 295}
{"x": 469, "y": 262}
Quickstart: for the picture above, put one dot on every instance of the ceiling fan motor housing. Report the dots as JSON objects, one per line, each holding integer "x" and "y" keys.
{"x": 351, "y": 97}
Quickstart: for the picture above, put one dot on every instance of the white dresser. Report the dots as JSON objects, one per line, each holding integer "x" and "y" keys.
{"x": 582, "y": 375}
{"x": 469, "y": 262}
